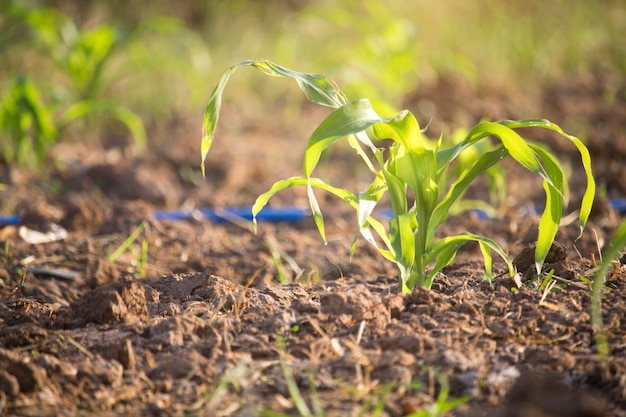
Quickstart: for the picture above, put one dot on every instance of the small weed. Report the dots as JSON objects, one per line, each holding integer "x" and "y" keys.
{"x": 142, "y": 261}
{"x": 413, "y": 169}
{"x": 6, "y": 252}
{"x": 443, "y": 404}
{"x": 617, "y": 243}
{"x": 141, "y": 258}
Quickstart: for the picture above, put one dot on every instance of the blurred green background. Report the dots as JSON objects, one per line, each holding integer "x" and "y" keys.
{"x": 99, "y": 67}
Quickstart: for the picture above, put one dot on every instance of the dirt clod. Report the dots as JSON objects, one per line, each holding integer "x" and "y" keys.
{"x": 122, "y": 301}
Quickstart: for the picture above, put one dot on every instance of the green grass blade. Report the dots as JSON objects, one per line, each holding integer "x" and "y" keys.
{"x": 127, "y": 243}
{"x": 617, "y": 243}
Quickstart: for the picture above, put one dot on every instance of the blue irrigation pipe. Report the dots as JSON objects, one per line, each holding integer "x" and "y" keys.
{"x": 268, "y": 214}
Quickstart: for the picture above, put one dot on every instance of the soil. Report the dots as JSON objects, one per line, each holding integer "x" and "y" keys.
{"x": 206, "y": 328}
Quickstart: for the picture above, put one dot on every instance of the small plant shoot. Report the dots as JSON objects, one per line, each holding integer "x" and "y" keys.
{"x": 410, "y": 172}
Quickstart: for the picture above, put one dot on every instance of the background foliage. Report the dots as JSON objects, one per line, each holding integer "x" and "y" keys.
{"x": 162, "y": 57}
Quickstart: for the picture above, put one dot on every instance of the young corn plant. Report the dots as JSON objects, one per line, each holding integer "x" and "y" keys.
{"x": 29, "y": 126}
{"x": 410, "y": 173}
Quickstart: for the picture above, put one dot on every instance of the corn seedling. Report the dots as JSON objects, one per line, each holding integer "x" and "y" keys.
{"x": 29, "y": 127}
{"x": 411, "y": 170}
{"x": 37, "y": 108}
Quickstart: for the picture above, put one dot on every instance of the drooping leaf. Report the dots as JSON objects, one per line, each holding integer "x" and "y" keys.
{"x": 316, "y": 87}
{"x": 344, "y": 194}
{"x": 590, "y": 191}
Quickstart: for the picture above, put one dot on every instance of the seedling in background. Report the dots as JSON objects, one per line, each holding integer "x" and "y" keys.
{"x": 43, "y": 100}
{"x": 29, "y": 127}
{"x": 413, "y": 167}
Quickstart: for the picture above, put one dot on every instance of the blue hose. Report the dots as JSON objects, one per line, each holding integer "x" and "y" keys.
{"x": 268, "y": 214}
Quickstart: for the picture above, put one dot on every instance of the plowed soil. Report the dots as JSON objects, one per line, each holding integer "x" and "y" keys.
{"x": 202, "y": 324}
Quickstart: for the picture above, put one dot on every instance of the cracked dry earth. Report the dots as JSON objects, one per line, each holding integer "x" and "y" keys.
{"x": 209, "y": 331}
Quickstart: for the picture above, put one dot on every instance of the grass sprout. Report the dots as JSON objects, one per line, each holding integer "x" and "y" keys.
{"x": 277, "y": 256}
{"x": 127, "y": 243}
{"x": 443, "y": 404}
{"x": 410, "y": 172}
{"x": 617, "y": 243}
{"x": 292, "y": 386}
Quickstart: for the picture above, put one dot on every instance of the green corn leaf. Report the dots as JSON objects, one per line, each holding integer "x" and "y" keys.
{"x": 444, "y": 250}
{"x": 344, "y": 194}
{"x": 397, "y": 193}
{"x": 518, "y": 148}
{"x": 402, "y": 128}
{"x": 551, "y": 216}
{"x": 590, "y": 191}
{"x": 440, "y": 214}
{"x": 418, "y": 171}
{"x": 364, "y": 211}
{"x": 317, "y": 88}
{"x": 316, "y": 211}
{"x": 350, "y": 119}
{"x": 83, "y": 108}
{"x": 445, "y": 256}
{"x": 488, "y": 259}
{"x": 26, "y": 123}
{"x": 403, "y": 246}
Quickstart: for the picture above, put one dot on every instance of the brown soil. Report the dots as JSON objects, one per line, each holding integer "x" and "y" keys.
{"x": 209, "y": 329}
